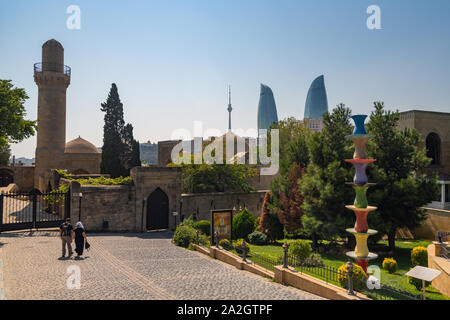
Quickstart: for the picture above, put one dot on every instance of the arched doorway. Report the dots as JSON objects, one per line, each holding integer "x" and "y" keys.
{"x": 433, "y": 145}
{"x": 6, "y": 177}
{"x": 157, "y": 210}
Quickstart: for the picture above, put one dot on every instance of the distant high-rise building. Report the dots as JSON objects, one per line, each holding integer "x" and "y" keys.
{"x": 267, "y": 110}
{"x": 316, "y": 104}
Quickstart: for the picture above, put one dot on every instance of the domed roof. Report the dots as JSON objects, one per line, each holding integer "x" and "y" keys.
{"x": 52, "y": 43}
{"x": 79, "y": 145}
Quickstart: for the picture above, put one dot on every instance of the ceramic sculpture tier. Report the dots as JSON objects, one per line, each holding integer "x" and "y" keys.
{"x": 360, "y": 184}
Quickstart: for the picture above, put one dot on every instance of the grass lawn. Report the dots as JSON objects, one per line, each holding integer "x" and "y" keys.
{"x": 397, "y": 280}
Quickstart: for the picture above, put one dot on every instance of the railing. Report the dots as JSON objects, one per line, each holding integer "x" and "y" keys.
{"x": 348, "y": 280}
{"x": 443, "y": 238}
{"x": 321, "y": 271}
{"x": 54, "y": 67}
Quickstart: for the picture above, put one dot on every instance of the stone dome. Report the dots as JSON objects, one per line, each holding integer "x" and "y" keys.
{"x": 79, "y": 145}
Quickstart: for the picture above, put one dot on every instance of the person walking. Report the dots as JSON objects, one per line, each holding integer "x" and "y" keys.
{"x": 80, "y": 238}
{"x": 66, "y": 233}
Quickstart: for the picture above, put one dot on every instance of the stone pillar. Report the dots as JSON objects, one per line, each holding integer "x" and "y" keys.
{"x": 52, "y": 79}
{"x": 443, "y": 195}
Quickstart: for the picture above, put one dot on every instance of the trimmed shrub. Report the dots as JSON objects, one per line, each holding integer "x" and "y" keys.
{"x": 184, "y": 235}
{"x": 314, "y": 260}
{"x": 239, "y": 245}
{"x": 390, "y": 265}
{"x": 204, "y": 240}
{"x": 359, "y": 277}
{"x": 226, "y": 244}
{"x": 257, "y": 238}
{"x": 300, "y": 249}
{"x": 419, "y": 256}
{"x": 243, "y": 224}
{"x": 189, "y": 222}
{"x": 204, "y": 226}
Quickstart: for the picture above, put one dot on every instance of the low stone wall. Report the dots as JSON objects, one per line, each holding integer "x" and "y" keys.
{"x": 282, "y": 275}
{"x": 316, "y": 286}
{"x": 99, "y": 204}
{"x": 437, "y": 219}
{"x": 200, "y": 204}
{"x": 442, "y": 282}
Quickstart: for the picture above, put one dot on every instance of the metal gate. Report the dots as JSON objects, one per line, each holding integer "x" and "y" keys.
{"x": 20, "y": 211}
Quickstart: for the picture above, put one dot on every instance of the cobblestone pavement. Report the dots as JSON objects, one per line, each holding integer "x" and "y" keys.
{"x": 127, "y": 266}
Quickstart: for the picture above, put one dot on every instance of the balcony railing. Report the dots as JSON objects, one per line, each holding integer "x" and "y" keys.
{"x": 53, "y": 67}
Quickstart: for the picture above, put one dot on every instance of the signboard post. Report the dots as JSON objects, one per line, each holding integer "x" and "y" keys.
{"x": 221, "y": 222}
{"x": 424, "y": 274}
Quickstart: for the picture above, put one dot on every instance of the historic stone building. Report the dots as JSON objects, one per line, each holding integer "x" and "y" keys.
{"x": 52, "y": 152}
{"x": 434, "y": 128}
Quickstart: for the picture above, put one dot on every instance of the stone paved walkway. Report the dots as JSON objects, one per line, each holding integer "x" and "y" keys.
{"x": 127, "y": 266}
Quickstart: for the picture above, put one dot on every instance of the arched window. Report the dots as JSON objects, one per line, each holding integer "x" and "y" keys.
{"x": 433, "y": 144}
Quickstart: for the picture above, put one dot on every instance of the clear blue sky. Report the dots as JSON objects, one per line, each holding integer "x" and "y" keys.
{"x": 173, "y": 60}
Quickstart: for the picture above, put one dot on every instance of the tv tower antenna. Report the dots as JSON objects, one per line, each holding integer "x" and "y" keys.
{"x": 229, "y": 108}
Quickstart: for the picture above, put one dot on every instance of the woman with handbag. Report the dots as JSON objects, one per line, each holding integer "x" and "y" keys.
{"x": 80, "y": 238}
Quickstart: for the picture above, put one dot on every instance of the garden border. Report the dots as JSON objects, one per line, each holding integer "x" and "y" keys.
{"x": 282, "y": 275}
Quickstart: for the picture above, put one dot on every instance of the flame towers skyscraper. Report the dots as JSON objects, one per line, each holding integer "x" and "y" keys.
{"x": 267, "y": 110}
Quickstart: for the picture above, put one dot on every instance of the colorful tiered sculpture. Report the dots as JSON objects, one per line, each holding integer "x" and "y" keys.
{"x": 361, "y": 208}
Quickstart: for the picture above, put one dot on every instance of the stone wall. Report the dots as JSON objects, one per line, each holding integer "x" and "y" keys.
{"x": 23, "y": 177}
{"x": 201, "y": 204}
{"x": 426, "y": 122}
{"x": 114, "y": 205}
{"x": 147, "y": 180}
{"x": 437, "y": 219}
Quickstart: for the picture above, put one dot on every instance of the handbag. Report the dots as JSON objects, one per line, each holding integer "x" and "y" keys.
{"x": 87, "y": 245}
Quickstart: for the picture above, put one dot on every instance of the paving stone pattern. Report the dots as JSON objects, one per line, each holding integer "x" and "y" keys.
{"x": 127, "y": 266}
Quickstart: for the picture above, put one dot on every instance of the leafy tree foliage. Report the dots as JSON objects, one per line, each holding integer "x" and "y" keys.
{"x": 243, "y": 224}
{"x": 402, "y": 189}
{"x": 269, "y": 223}
{"x": 323, "y": 185}
{"x": 13, "y": 127}
{"x": 5, "y": 154}
{"x": 203, "y": 178}
{"x": 120, "y": 152}
{"x": 290, "y": 211}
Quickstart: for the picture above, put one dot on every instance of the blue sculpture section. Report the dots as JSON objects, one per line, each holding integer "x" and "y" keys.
{"x": 267, "y": 110}
{"x": 359, "y": 124}
{"x": 316, "y": 100}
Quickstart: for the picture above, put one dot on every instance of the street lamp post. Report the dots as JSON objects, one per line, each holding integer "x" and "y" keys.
{"x": 80, "y": 196}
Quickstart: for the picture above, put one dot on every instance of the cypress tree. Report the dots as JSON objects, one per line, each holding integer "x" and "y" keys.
{"x": 113, "y": 147}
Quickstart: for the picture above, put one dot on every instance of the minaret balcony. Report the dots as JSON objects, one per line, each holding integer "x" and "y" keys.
{"x": 52, "y": 67}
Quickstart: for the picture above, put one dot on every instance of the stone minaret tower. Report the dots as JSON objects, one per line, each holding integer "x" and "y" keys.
{"x": 52, "y": 78}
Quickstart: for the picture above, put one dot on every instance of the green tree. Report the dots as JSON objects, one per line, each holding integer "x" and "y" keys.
{"x": 120, "y": 152}
{"x": 5, "y": 154}
{"x": 293, "y": 137}
{"x": 401, "y": 189}
{"x": 323, "y": 184}
{"x": 243, "y": 225}
{"x": 113, "y": 147}
{"x": 290, "y": 211}
{"x": 13, "y": 127}
{"x": 269, "y": 223}
{"x": 203, "y": 178}
{"x": 131, "y": 153}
